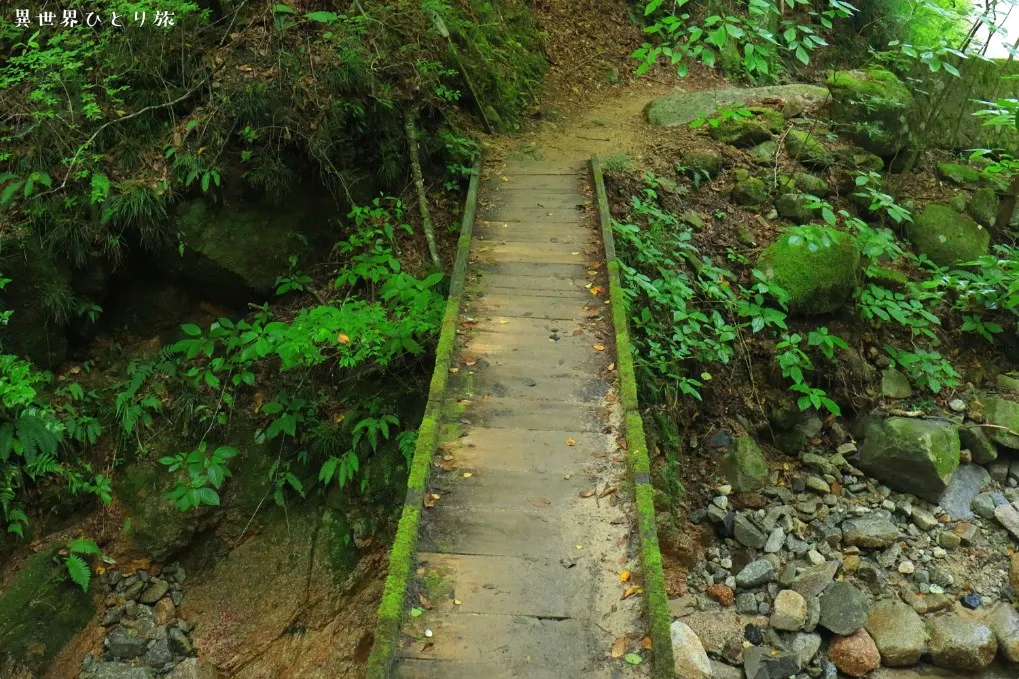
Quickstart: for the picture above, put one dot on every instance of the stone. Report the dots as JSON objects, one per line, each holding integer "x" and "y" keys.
{"x": 119, "y": 670}
{"x": 1002, "y": 413}
{"x": 164, "y": 611}
{"x": 923, "y": 519}
{"x": 764, "y": 153}
{"x": 749, "y": 191}
{"x": 158, "y": 654}
{"x": 156, "y": 590}
{"x": 811, "y": 184}
{"x": 878, "y": 96}
{"x": 704, "y": 161}
{"x": 844, "y": 608}
{"x": 746, "y": 533}
{"x": 967, "y": 482}
{"x": 962, "y": 175}
{"x": 795, "y": 207}
{"x": 1013, "y": 572}
{"x": 976, "y": 440}
{"x": 789, "y": 611}
{"x": 971, "y": 601}
{"x": 775, "y": 541}
{"x": 855, "y": 158}
{"x": 947, "y": 237}
{"x": 743, "y": 465}
{"x": 680, "y": 110}
{"x": 719, "y": 670}
{"x": 1004, "y": 622}
{"x": 894, "y": 384}
{"x": 898, "y": 631}
{"x": 691, "y": 662}
{"x": 983, "y": 505}
{"x": 818, "y": 280}
{"x": 870, "y": 532}
{"x": 807, "y": 149}
{"x": 1008, "y": 516}
{"x": 855, "y": 655}
{"x": 959, "y": 643}
{"x": 755, "y": 574}
{"x": 814, "y": 580}
{"x": 193, "y": 668}
{"x": 179, "y": 642}
{"x": 761, "y": 662}
{"x": 911, "y": 455}
{"x": 746, "y": 603}
{"x": 122, "y": 644}
{"x": 723, "y": 594}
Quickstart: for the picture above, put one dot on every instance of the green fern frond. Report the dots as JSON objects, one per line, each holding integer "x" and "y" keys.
{"x": 79, "y": 571}
{"x": 35, "y": 437}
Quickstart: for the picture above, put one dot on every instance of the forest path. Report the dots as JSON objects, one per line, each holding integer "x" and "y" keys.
{"x": 519, "y": 560}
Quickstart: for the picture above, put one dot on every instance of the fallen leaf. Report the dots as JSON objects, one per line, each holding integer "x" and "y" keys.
{"x": 467, "y": 475}
{"x": 597, "y": 289}
{"x": 619, "y": 647}
{"x": 599, "y": 347}
{"x": 633, "y": 659}
{"x": 447, "y": 467}
{"x": 454, "y": 370}
{"x": 580, "y": 546}
{"x": 624, "y": 576}
{"x": 457, "y": 602}
{"x": 469, "y": 360}
{"x": 343, "y": 338}
{"x": 415, "y": 612}
{"x": 571, "y": 442}
{"x": 645, "y": 643}
{"x": 631, "y": 591}
{"x": 539, "y": 501}
{"x": 610, "y": 398}
{"x": 587, "y": 493}
{"x": 609, "y": 491}
{"x": 425, "y": 603}
{"x": 612, "y": 366}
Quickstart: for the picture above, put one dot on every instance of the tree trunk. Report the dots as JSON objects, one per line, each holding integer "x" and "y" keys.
{"x": 410, "y": 124}
{"x": 1006, "y": 208}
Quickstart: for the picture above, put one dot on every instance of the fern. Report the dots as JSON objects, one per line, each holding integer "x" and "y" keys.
{"x": 83, "y": 546}
{"x": 79, "y": 571}
{"x": 35, "y": 437}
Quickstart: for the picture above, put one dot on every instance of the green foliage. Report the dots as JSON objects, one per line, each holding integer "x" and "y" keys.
{"x": 985, "y": 291}
{"x": 927, "y": 369}
{"x": 794, "y": 362}
{"x": 206, "y": 473}
{"x": 881, "y": 306}
{"x": 74, "y": 561}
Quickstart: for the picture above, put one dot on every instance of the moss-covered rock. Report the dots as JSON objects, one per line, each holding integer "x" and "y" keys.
{"x": 818, "y": 279}
{"x": 747, "y": 190}
{"x": 957, "y": 202}
{"x": 744, "y": 466}
{"x": 975, "y": 439}
{"x": 794, "y": 207}
{"x": 154, "y": 524}
{"x": 855, "y": 158}
{"x": 807, "y": 149}
{"x": 892, "y": 279}
{"x": 946, "y": 236}
{"x": 681, "y": 109}
{"x": 742, "y": 131}
{"x": 40, "y": 611}
{"x": 1004, "y": 414}
{"x": 983, "y": 207}
{"x": 704, "y": 161}
{"x": 957, "y": 173}
{"x": 876, "y": 108}
{"x": 911, "y": 455}
{"x": 764, "y": 153}
{"x": 811, "y": 184}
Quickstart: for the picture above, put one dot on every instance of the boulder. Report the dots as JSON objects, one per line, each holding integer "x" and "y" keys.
{"x": 946, "y": 236}
{"x": 747, "y": 190}
{"x": 983, "y": 207}
{"x": 1002, "y": 413}
{"x": 876, "y": 107}
{"x": 681, "y": 109}
{"x": 974, "y": 438}
{"x": 898, "y": 631}
{"x": 40, "y": 611}
{"x": 855, "y": 158}
{"x": 794, "y": 207}
{"x": 1004, "y": 622}
{"x": 807, "y": 149}
{"x": 743, "y": 465}
{"x": 705, "y": 161}
{"x": 811, "y": 184}
{"x": 962, "y": 644}
{"x": 844, "y": 608}
{"x": 855, "y": 655}
{"x": 691, "y": 662}
{"x": 964, "y": 175}
{"x": 818, "y": 279}
{"x": 911, "y": 455}
{"x": 894, "y": 384}
{"x": 748, "y": 131}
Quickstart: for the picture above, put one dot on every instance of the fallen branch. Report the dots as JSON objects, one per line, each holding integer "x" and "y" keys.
{"x": 410, "y": 124}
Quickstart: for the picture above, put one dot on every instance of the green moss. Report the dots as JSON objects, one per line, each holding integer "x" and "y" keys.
{"x": 946, "y": 236}
{"x": 807, "y": 149}
{"x": 959, "y": 174}
{"x": 40, "y": 612}
{"x": 744, "y": 466}
{"x": 856, "y": 158}
{"x": 983, "y": 207}
{"x": 875, "y": 106}
{"x": 886, "y": 277}
{"x": 704, "y": 161}
{"x": 436, "y": 585}
{"x": 741, "y": 131}
{"x": 155, "y": 525}
{"x": 749, "y": 191}
{"x": 818, "y": 279}
{"x": 811, "y": 184}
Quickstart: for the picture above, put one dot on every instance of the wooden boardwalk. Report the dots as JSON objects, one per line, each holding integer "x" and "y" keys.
{"x": 519, "y": 560}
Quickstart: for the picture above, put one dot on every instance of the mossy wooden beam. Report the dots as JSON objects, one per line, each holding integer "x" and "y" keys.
{"x": 402, "y": 555}
{"x": 637, "y": 453}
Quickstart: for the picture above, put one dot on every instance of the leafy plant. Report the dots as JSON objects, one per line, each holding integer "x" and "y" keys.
{"x": 881, "y": 306}
{"x": 928, "y": 369}
{"x": 73, "y": 558}
{"x": 205, "y": 471}
{"x": 794, "y": 362}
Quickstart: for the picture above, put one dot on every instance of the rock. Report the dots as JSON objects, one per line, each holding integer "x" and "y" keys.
{"x": 681, "y": 109}
{"x": 193, "y": 668}
{"x": 815, "y": 579}
{"x": 794, "y": 207}
{"x": 959, "y": 643}
{"x": 971, "y": 601}
{"x": 113, "y": 616}
{"x": 119, "y": 670}
{"x": 742, "y": 131}
{"x": 946, "y": 236}
{"x": 856, "y": 158}
{"x": 818, "y": 280}
{"x": 749, "y": 191}
{"x": 755, "y": 574}
{"x": 923, "y": 519}
{"x": 764, "y": 153}
{"x": 976, "y": 440}
{"x": 1013, "y": 572}
{"x": 898, "y": 631}
{"x": 743, "y": 465}
{"x": 811, "y": 184}
{"x": 775, "y": 541}
{"x": 691, "y": 662}
{"x": 706, "y": 161}
{"x": 963, "y": 175}
{"x": 179, "y": 642}
{"x": 805, "y": 646}
{"x": 911, "y": 455}
{"x": 1008, "y": 516}
{"x": 1008, "y": 381}
{"x": 719, "y": 670}
{"x": 156, "y": 590}
{"x": 39, "y": 611}
{"x": 967, "y": 482}
{"x": 723, "y": 594}
{"x": 855, "y": 655}
{"x": 789, "y": 611}
{"x": 1004, "y": 622}
{"x": 844, "y": 609}
{"x": 1002, "y": 413}
{"x": 894, "y": 384}
{"x": 983, "y": 207}
{"x": 871, "y": 532}
{"x": 747, "y": 534}
{"x": 880, "y": 98}
{"x": 122, "y": 644}
{"x": 164, "y": 611}
{"x": 761, "y": 662}
{"x": 983, "y": 505}
{"x": 807, "y": 149}
{"x": 158, "y": 654}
